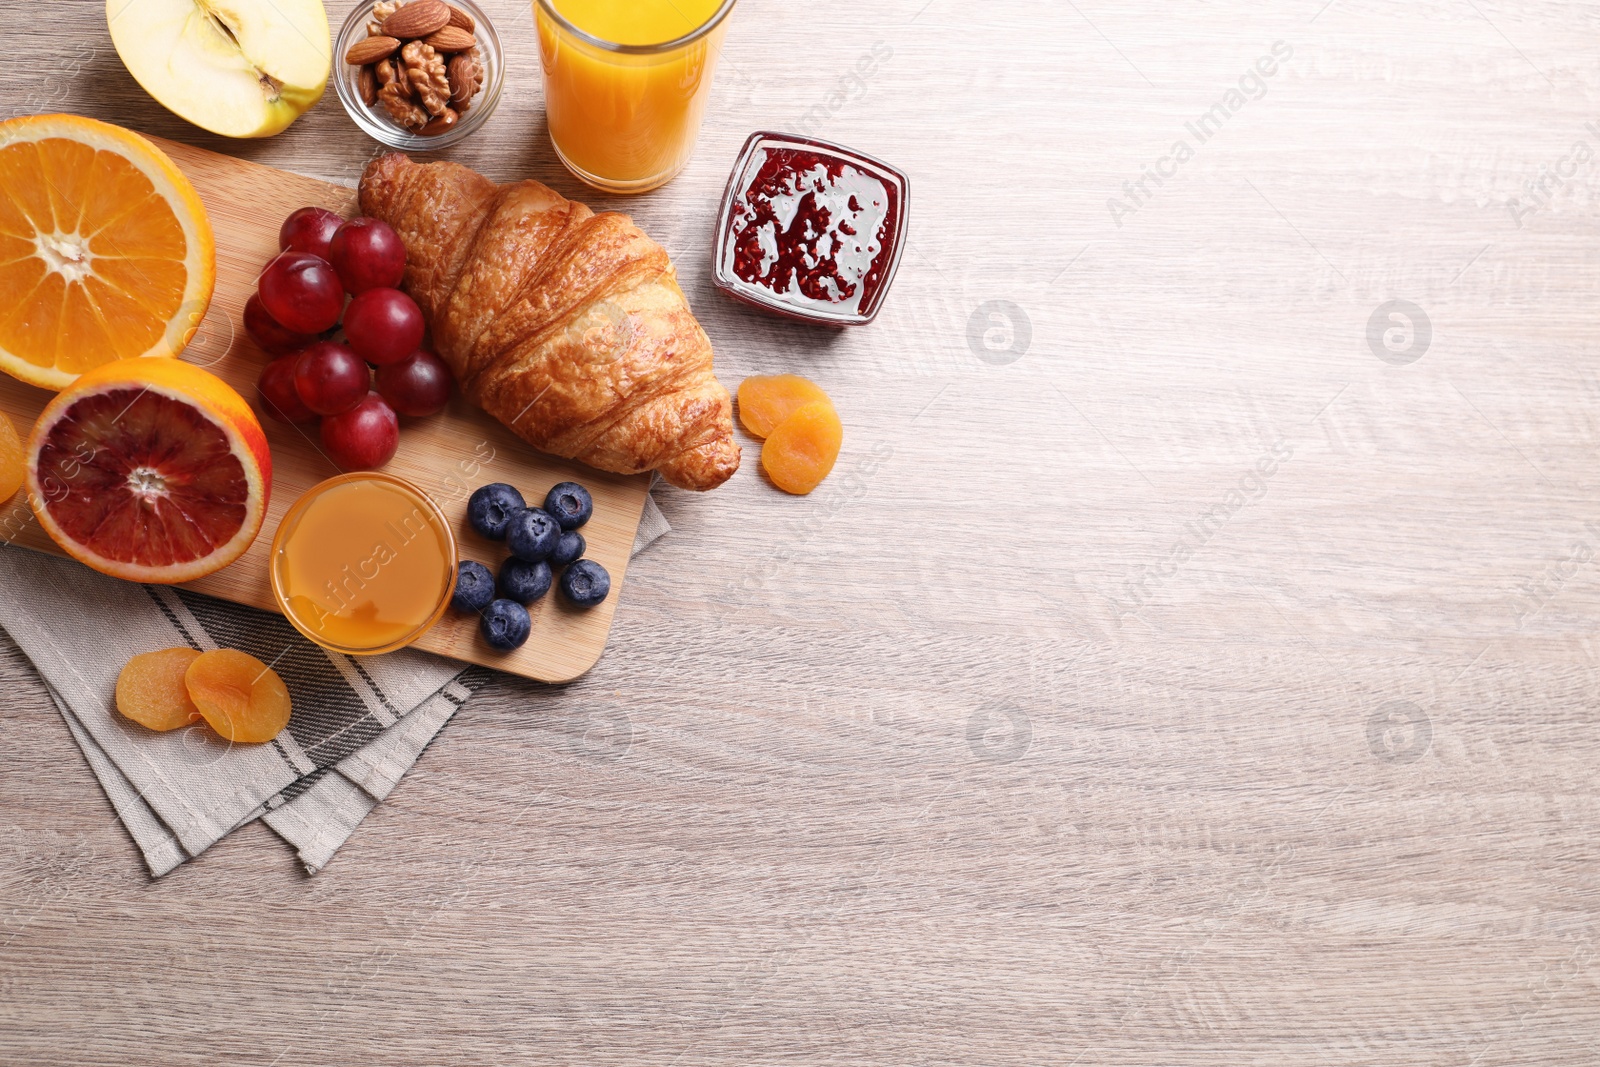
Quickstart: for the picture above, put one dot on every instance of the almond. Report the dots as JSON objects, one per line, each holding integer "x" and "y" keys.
{"x": 466, "y": 77}
{"x": 440, "y": 123}
{"x": 367, "y": 84}
{"x": 461, "y": 19}
{"x": 370, "y": 50}
{"x": 417, "y": 19}
{"x": 451, "y": 39}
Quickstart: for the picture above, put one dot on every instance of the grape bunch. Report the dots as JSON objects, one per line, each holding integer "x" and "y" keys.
{"x": 358, "y": 385}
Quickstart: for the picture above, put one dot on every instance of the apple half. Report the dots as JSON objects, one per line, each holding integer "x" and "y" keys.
{"x": 241, "y": 68}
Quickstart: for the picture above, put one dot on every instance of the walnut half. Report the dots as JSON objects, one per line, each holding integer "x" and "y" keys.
{"x": 427, "y": 75}
{"x": 380, "y": 11}
{"x": 396, "y": 99}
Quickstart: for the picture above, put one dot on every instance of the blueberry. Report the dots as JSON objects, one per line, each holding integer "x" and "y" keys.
{"x": 585, "y": 583}
{"x": 525, "y": 582}
{"x": 505, "y": 625}
{"x": 491, "y": 508}
{"x": 570, "y": 548}
{"x": 570, "y": 503}
{"x": 474, "y": 586}
{"x": 532, "y": 534}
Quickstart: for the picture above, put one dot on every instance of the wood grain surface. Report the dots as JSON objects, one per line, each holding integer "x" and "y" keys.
{"x": 447, "y": 456}
{"x": 1190, "y": 662}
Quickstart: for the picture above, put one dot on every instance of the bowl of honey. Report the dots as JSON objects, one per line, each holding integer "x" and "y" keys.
{"x": 363, "y": 563}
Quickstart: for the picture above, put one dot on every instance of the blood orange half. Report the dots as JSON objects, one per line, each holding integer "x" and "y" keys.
{"x": 150, "y": 469}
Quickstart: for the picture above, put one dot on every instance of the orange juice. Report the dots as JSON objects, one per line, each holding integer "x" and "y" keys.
{"x": 625, "y": 84}
{"x": 363, "y": 563}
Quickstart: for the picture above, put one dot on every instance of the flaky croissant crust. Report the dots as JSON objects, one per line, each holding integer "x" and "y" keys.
{"x": 566, "y": 325}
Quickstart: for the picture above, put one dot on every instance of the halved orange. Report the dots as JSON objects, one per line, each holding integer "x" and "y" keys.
{"x": 150, "y": 469}
{"x": 105, "y": 250}
{"x": 13, "y": 464}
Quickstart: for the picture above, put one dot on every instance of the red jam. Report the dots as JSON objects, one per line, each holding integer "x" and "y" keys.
{"x": 810, "y": 230}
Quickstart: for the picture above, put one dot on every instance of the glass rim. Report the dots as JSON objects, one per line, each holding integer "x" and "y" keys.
{"x": 705, "y": 28}
{"x": 296, "y": 512}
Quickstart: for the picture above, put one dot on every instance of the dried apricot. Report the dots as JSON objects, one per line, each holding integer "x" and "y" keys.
{"x": 242, "y": 698}
{"x": 765, "y": 400}
{"x": 802, "y": 449}
{"x": 150, "y": 689}
{"x": 13, "y": 460}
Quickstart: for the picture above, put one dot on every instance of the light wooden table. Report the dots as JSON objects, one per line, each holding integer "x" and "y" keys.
{"x": 1179, "y": 674}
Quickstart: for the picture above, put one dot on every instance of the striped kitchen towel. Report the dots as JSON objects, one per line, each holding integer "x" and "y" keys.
{"x": 359, "y": 723}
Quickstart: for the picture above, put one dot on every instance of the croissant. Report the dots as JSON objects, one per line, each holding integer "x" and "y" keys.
{"x": 566, "y": 325}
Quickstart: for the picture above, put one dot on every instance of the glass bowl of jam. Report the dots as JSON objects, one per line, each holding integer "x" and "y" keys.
{"x": 810, "y": 230}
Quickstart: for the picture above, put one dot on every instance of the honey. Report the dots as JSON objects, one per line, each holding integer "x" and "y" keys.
{"x": 363, "y": 563}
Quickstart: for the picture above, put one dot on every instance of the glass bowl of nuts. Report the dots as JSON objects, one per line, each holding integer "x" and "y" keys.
{"x": 418, "y": 75}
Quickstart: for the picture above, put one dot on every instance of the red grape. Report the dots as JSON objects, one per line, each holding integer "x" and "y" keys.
{"x": 383, "y": 326}
{"x": 301, "y": 292}
{"x": 268, "y": 332}
{"x": 368, "y": 254}
{"x": 276, "y": 388}
{"x": 309, "y": 229}
{"x": 330, "y": 378}
{"x": 418, "y": 386}
{"x": 363, "y": 438}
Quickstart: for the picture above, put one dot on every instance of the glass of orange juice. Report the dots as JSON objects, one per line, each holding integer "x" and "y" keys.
{"x": 625, "y": 84}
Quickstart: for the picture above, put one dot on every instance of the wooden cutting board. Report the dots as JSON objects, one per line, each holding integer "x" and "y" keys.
{"x": 447, "y": 456}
